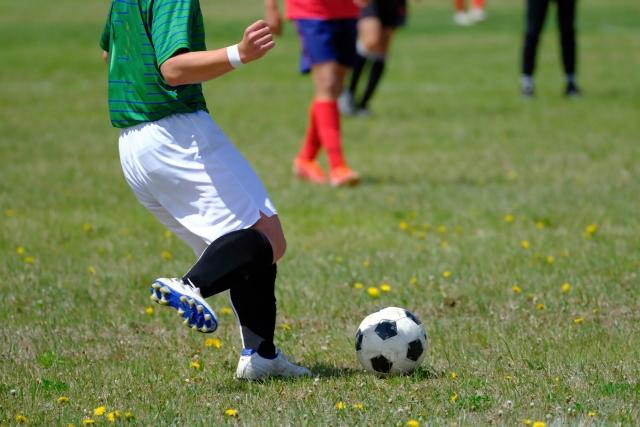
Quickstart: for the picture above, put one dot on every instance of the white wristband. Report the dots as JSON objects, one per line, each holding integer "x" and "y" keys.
{"x": 233, "y": 54}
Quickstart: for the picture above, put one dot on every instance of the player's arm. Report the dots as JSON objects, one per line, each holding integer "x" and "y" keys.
{"x": 105, "y": 56}
{"x": 272, "y": 16}
{"x": 197, "y": 67}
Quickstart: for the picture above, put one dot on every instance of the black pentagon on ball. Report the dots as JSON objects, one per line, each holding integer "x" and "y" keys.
{"x": 381, "y": 364}
{"x": 412, "y": 316}
{"x": 386, "y": 329}
{"x": 358, "y": 340}
{"x": 414, "y": 350}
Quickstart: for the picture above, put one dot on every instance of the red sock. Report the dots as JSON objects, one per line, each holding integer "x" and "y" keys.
{"x": 459, "y": 5}
{"x": 327, "y": 120}
{"x": 311, "y": 144}
{"x": 478, "y": 4}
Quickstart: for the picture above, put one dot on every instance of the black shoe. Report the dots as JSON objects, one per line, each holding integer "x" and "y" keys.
{"x": 572, "y": 91}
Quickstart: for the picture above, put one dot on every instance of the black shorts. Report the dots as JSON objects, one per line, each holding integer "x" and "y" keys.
{"x": 391, "y": 13}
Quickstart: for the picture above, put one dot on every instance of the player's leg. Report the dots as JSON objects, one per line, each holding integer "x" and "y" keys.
{"x": 378, "y": 59}
{"x": 477, "y": 12}
{"x": 535, "y": 16}
{"x": 460, "y": 16}
{"x": 369, "y": 55}
{"x": 566, "y": 23}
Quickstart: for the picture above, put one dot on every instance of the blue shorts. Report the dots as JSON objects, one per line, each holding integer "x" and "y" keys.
{"x": 325, "y": 40}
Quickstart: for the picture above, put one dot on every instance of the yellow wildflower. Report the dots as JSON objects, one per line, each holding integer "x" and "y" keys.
{"x": 509, "y": 218}
{"x": 63, "y": 399}
{"x": 578, "y": 320}
{"x": 524, "y": 244}
{"x": 403, "y": 225}
{"x": 226, "y": 311}
{"x": 166, "y": 255}
{"x": 446, "y": 274}
{"x": 70, "y": 425}
{"x": 128, "y": 415}
{"x": 373, "y": 292}
{"x": 168, "y": 234}
{"x": 508, "y": 377}
{"x": 540, "y": 306}
{"x": 113, "y": 416}
{"x": 358, "y": 285}
{"x": 99, "y": 411}
{"x": 512, "y": 175}
{"x": 231, "y": 412}
{"x": 516, "y": 289}
{"x": 413, "y": 423}
{"x": 366, "y": 263}
{"x": 358, "y": 406}
{"x": 20, "y": 250}
{"x": 385, "y": 287}
{"x": 149, "y": 310}
{"x": 539, "y": 424}
{"x": 566, "y": 287}
{"x": 213, "y": 342}
{"x": 413, "y": 280}
{"x": 88, "y": 422}
{"x": 527, "y": 422}
{"x": 550, "y": 259}
{"x": 539, "y": 225}
{"x": 195, "y": 364}
{"x": 454, "y": 376}
{"x": 9, "y": 213}
{"x": 340, "y": 406}
{"x": 592, "y": 414}
{"x": 339, "y": 260}
{"x": 91, "y": 270}
{"x": 591, "y": 230}
{"x": 453, "y": 398}
{"x": 441, "y": 229}
{"x": 21, "y": 419}
{"x": 88, "y": 228}
{"x": 29, "y": 259}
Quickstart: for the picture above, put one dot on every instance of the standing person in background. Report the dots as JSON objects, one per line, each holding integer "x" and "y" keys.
{"x": 327, "y": 31}
{"x": 377, "y": 24}
{"x": 535, "y": 15}
{"x": 463, "y": 17}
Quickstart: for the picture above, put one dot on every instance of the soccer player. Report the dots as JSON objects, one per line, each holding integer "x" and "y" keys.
{"x": 327, "y": 31}
{"x": 184, "y": 170}
{"x": 475, "y": 14}
{"x": 536, "y": 14}
{"x": 377, "y": 24}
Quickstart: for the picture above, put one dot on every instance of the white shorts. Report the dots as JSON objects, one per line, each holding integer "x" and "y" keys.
{"x": 186, "y": 172}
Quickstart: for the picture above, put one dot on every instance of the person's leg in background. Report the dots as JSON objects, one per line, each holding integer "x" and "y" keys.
{"x": 535, "y": 17}
{"x": 566, "y": 24}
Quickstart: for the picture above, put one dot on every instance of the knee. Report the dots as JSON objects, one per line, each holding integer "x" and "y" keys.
{"x": 329, "y": 87}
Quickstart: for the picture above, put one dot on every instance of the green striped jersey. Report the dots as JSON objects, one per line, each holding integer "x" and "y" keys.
{"x": 139, "y": 36}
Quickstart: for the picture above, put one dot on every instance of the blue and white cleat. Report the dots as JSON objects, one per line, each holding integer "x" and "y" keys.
{"x": 188, "y": 302}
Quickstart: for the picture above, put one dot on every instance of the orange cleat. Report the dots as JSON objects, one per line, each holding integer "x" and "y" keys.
{"x": 344, "y": 176}
{"x": 309, "y": 170}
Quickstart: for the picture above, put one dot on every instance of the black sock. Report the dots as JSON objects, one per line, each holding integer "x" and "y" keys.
{"x": 242, "y": 261}
{"x": 377, "y": 68}
{"x": 255, "y": 307}
{"x": 229, "y": 260}
{"x": 358, "y": 66}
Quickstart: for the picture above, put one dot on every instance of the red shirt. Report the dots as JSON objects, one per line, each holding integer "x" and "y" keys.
{"x": 322, "y": 9}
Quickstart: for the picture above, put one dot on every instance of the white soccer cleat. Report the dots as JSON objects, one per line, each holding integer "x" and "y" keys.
{"x": 346, "y": 103}
{"x": 188, "y": 302}
{"x": 462, "y": 19}
{"x": 252, "y": 366}
{"x": 477, "y": 15}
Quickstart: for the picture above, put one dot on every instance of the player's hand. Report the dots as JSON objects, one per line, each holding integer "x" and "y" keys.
{"x": 274, "y": 20}
{"x": 361, "y": 3}
{"x": 256, "y": 42}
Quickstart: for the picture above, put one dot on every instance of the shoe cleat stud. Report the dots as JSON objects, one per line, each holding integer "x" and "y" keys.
{"x": 156, "y": 286}
{"x": 191, "y": 302}
{"x": 200, "y": 308}
{"x": 165, "y": 290}
{"x": 183, "y": 299}
{"x": 204, "y": 329}
{"x": 207, "y": 317}
{"x": 163, "y": 301}
{"x": 180, "y": 312}
{"x": 154, "y": 297}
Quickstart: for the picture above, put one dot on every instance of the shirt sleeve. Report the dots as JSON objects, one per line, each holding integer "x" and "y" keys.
{"x": 171, "y": 26}
{"x": 105, "y": 38}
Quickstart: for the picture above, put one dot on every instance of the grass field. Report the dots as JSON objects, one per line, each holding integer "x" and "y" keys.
{"x": 459, "y": 173}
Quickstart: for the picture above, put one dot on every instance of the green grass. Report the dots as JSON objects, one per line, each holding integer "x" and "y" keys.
{"x": 452, "y": 150}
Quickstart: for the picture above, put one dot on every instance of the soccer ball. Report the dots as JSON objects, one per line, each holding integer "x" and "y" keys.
{"x": 391, "y": 340}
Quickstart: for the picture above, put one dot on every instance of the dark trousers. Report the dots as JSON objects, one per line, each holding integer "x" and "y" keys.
{"x": 536, "y": 14}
